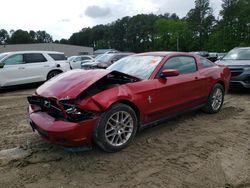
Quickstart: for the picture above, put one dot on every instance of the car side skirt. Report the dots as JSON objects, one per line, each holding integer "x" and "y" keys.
{"x": 162, "y": 120}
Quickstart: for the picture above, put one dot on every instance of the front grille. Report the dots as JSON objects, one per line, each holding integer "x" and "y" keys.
{"x": 47, "y": 105}
{"x": 236, "y": 71}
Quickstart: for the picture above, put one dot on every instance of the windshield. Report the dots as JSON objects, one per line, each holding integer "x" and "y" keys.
{"x": 238, "y": 54}
{"x": 3, "y": 55}
{"x": 139, "y": 66}
{"x": 104, "y": 58}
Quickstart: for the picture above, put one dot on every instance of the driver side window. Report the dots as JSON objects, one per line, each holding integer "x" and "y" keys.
{"x": 184, "y": 64}
{"x": 14, "y": 60}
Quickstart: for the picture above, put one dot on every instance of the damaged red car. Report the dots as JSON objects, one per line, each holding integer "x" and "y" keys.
{"x": 108, "y": 107}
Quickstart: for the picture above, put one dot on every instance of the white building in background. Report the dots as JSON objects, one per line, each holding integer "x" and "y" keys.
{"x": 69, "y": 50}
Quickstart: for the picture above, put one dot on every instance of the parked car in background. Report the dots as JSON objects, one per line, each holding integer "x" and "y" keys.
{"x": 221, "y": 55}
{"x": 108, "y": 106}
{"x": 238, "y": 60}
{"x": 76, "y": 61}
{"x": 24, "y": 67}
{"x": 105, "y": 60}
{"x": 103, "y": 51}
{"x": 212, "y": 56}
{"x": 201, "y": 53}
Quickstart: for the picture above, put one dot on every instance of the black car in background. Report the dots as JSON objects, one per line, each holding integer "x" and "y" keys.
{"x": 238, "y": 60}
{"x": 211, "y": 56}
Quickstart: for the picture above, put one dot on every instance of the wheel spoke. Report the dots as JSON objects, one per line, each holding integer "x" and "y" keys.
{"x": 116, "y": 140}
{"x": 112, "y": 134}
{"x": 127, "y": 131}
{"x": 109, "y": 130}
{"x": 113, "y": 138}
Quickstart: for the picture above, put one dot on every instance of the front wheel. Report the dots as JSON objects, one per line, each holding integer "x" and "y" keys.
{"x": 116, "y": 128}
{"x": 215, "y": 99}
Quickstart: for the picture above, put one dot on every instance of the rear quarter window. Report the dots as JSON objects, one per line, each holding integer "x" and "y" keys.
{"x": 34, "y": 58}
{"x": 58, "y": 57}
{"x": 206, "y": 63}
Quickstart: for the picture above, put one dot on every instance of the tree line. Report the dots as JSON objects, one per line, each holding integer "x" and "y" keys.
{"x": 198, "y": 30}
{"x": 24, "y": 37}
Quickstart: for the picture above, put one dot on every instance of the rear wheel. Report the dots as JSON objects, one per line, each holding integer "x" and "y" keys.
{"x": 215, "y": 99}
{"x": 52, "y": 74}
{"x": 116, "y": 128}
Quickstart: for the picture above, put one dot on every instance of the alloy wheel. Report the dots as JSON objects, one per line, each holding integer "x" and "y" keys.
{"x": 119, "y": 128}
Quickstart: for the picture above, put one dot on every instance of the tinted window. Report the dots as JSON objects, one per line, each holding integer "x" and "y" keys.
{"x": 58, "y": 57}
{"x": 184, "y": 64}
{"x": 206, "y": 63}
{"x": 85, "y": 58}
{"x": 34, "y": 58}
{"x": 116, "y": 58}
{"x": 14, "y": 60}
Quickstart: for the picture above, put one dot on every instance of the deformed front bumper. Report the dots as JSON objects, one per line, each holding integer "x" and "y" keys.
{"x": 60, "y": 132}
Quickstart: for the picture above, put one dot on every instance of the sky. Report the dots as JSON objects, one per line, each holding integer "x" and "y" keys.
{"x": 61, "y": 18}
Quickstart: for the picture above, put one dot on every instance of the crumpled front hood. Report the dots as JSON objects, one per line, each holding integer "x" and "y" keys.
{"x": 71, "y": 83}
{"x": 234, "y": 62}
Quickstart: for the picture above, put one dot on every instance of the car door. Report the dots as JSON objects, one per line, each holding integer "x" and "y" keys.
{"x": 178, "y": 93}
{"x": 36, "y": 67}
{"x": 13, "y": 72}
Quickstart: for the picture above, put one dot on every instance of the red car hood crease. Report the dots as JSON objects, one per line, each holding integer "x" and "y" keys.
{"x": 70, "y": 84}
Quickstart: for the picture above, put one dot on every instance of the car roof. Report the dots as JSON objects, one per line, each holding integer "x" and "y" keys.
{"x": 18, "y": 52}
{"x": 164, "y": 53}
{"x": 242, "y": 48}
{"x": 123, "y": 53}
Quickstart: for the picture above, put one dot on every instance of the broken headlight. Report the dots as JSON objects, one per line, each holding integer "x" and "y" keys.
{"x": 76, "y": 114}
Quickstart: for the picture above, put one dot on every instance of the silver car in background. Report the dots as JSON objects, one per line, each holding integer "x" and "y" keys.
{"x": 238, "y": 60}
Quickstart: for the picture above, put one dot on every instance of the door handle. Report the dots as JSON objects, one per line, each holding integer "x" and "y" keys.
{"x": 196, "y": 78}
{"x": 20, "y": 68}
{"x": 46, "y": 65}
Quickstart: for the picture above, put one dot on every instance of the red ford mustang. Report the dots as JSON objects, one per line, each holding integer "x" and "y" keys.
{"x": 110, "y": 106}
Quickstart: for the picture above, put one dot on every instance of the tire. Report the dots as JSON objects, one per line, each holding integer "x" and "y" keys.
{"x": 215, "y": 99}
{"x": 52, "y": 74}
{"x": 116, "y": 128}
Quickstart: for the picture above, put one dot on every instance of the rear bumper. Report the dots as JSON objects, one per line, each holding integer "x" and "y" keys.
{"x": 59, "y": 132}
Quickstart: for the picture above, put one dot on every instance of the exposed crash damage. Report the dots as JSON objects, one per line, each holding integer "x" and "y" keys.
{"x": 77, "y": 106}
{"x": 107, "y": 106}
{"x": 70, "y": 108}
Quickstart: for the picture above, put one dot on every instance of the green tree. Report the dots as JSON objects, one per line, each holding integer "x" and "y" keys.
{"x": 20, "y": 37}
{"x": 4, "y": 36}
{"x": 201, "y": 22}
{"x": 43, "y": 37}
{"x": 233, "y": 29}
{"x": 172, "y": 34}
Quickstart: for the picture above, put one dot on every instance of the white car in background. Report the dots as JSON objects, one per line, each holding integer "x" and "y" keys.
{"x": 76, "y": 61}
{"x": 24, "y": 67}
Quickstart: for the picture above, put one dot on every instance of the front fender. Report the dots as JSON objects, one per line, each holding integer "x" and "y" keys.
{"x": 103, "y": 100}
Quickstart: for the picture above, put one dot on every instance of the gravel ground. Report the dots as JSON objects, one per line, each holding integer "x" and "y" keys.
{"x": 193, "y": 150}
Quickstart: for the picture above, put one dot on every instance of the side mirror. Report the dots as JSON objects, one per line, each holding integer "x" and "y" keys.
{"x": 169, "y": 73}
{"x": 1, "y": 65}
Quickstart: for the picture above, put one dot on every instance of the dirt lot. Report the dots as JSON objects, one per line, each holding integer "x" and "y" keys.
{"x": 194, "y": 150}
